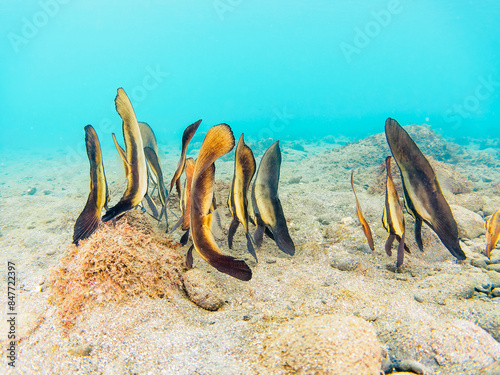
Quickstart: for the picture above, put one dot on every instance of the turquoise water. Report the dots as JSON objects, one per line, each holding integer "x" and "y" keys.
{"x": 278, "y": 69}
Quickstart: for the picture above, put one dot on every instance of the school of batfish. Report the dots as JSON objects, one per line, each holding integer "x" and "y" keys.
{"x": 256, "y": 203}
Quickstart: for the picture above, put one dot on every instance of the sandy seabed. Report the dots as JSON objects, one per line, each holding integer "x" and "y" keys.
{"x": 298, "y": 314}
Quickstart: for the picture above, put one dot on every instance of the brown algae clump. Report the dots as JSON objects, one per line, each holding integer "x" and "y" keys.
{"x": 114, "y": 264}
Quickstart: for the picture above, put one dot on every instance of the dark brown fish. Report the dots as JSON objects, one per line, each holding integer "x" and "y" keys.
{"x": 244, "y": 169}
{"x": 218, "y": 141}
{"x": 137, "y": 177}
{"x": 424, "y": 199}
{"x": 88, "y": 221}
{"x": 266, "y": 203}
{"x": 186, "y": 138}
{"x": 359, "y": 212}
{"x": 393, "y": 219}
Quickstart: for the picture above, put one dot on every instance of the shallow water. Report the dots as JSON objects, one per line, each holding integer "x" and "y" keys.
{"x": 321, "y": 78}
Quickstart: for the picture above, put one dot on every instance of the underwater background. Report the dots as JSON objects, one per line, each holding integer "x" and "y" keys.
{"x": 280, "y": 69}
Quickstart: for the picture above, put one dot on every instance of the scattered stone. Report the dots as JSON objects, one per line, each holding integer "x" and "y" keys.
{"x": 270, "y": 261}
{"x": 470, "y": 224}
{"x": 47, "y": 192}
{"x": 418, "y": 298}
{"x": 344, "y": 264}
{"x": 448, "y": 346}
{"x": 31, "y": 191}
{"x": 493, "y": 267}
{"x": 411, "y": 366}
{"x": 246, "y": 318}
{"x": 480, "y": 263}
{"x": 324, "y": 220}
{"x": 203, "y": 289}
{"x": 347, "y": 220}
{"x": 294, "y": 180}
{"x": 327, "y": 344}
{"x": 81, "y": 351}
{"x": 495, "y": 292}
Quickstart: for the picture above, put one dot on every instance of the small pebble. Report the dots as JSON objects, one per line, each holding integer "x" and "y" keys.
{"x": 495, "y": 292}
{"x": 47, "y": 192}
{"x": 31, "y": 191}
{"x": 344, "y": 264}
{"x": 270, "y": 261}
{"x": 479, "y": 263}
{"x": 82, "y": 350}
{"x": 418, "y": 298}
{"x": 246, "y": 318}
{"x": 295, "y": 180}
{"x": 493, "y": 267}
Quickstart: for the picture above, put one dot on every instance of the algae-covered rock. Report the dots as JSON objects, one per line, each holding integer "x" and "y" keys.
{"x": 203, "y": 289}
{"x": 448, "y": 346}
{"x": 470, "y": 224}
{"x": 327, "y": 344}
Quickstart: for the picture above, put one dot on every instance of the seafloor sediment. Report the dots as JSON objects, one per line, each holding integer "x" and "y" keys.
{"x": 291, "y": 317}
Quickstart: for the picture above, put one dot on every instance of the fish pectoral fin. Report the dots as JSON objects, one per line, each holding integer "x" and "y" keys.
{"x": 87, "y": 222}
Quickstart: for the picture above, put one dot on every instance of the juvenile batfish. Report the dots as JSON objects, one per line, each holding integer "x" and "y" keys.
{"x": 156, "y": 175}
{"x": 393, "y": 219}
{"x": 186, "y": 138}
{"x": 492, "y": 232}
{"x": 361, "y": 217}
{"x": 218, "y": 141}
{"x": 244, "y": 169}
{"x": 185, "y": 201}
{"x": 424, "y": 199}
{"x": 98, "y": 198}
{"x": 137, "y": 176}
{"x": 266, "y": 203}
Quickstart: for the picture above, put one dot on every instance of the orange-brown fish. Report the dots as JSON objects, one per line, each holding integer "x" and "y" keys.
{"x": 218, "y": 141}
{"x": 424, "y": 199}
{"x": 186, "y": 138}
{"x": 244, "y": 169}
{"x": 98, "y": 198}
{"x": 135, "y": 160}
{"x": 393, "y": 219}
{"x": 492, "y": 232}
{"x": 185, "y": 201}
{"x": 361, "y": 217}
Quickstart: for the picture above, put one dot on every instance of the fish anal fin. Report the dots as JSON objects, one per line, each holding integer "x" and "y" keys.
{"x": 87, "y": 222}
{"x": 232, "y": 230}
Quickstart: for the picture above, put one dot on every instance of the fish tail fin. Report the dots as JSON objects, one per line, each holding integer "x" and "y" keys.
{"x": 120, "y": 208}
{"x": 231, "y": 232}
{"x": 231, "y": 266}
{"x": 87, "y": 222}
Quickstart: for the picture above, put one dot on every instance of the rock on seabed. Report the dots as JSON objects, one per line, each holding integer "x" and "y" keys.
{"x": 327, "y": 344}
